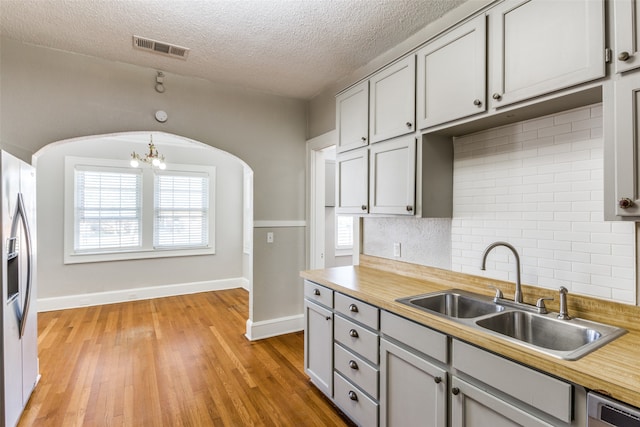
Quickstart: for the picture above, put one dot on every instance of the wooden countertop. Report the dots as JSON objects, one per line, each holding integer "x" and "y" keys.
{"x": 613, "y": 370}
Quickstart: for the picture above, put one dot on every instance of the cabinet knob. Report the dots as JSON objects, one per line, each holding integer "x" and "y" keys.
{"x": 353, "y": 333}
{"x": 623, "y": 56}
{"x": 477, "y": 102}
{"x": 363, "y": 207}
{"x": 328, "y": 318}
{"x": 353, "y": 308}
{"x": 316, "y": 292}
{"x": 409, "y": 208}
{"x": 497, "y": 96}
{"x": 353, "y": 364}
{"x": 625, "y": 203}
{"x": 437, "y": 380}
{"x": 364, "y": 138}
{"x": 353, "y": 395}
{"x": 455, "y": 391}
{"x": 409, "y": 125}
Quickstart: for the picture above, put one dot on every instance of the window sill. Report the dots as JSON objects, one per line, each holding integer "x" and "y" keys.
{"x": 138, "y": 254}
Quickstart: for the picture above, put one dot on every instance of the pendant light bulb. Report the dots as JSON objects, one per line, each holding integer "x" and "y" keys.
{"x": 163, "y": 166}
{"x": 155, "y": 162}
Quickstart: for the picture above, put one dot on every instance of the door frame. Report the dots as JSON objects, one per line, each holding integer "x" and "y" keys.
{"x": 315, "y": 197}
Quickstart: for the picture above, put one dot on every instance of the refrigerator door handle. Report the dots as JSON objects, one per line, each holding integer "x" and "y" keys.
{"x": 22, "y": 214}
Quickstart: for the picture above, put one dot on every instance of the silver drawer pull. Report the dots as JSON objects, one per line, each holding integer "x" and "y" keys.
{"x": 353, "y": 308}
{"x": 353, "y": 364}
{"x": 353, "y": 396}
{"x": 316, "y": 292}
{"x": 353, "y": 333}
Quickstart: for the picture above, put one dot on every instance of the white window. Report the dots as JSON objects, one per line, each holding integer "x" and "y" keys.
{"x": 344, "y": 232}
{"x": 108, "y": 212}
{"x": 116, "y": 212}
{"x": 181, "y": 211}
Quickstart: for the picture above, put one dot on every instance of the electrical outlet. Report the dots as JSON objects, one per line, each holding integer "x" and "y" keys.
{"x": 396, "y": 249}
{"x": 270, "y": 237}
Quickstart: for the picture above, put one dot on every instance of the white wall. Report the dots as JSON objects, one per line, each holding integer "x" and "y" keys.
{"x": 59, "y": 280}
{"x": 50, "y": 95}
{"x": 538, "y": 184}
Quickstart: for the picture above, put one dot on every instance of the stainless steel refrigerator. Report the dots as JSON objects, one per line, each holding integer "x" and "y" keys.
{"x": 19, "y": 351}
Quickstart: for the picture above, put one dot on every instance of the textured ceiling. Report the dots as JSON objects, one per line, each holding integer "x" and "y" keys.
{"x": 293, "y": 48}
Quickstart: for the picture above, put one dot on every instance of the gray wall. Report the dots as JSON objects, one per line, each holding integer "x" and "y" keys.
{"x": 48, "y": 95}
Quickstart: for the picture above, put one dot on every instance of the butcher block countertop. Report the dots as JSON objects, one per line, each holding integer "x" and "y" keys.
{"x": 613, "y": 370}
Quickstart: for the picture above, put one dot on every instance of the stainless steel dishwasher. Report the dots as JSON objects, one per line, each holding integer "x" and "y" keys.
{"x": 606, "y": 412}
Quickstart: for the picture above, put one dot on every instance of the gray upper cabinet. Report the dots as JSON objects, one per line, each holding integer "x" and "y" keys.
{"x": 451, "y": 76}
{"x": 392, "y": 176}
{"x": 626, "y": 14}
{"x": 525, "y": 58}
{"x": 392, "y": 100}
{"x": 352, "y": 117}
{"x": 352, "y": 182}
{"x": 626, "y": 129}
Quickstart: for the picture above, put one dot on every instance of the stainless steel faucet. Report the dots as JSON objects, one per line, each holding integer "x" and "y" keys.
{"x": 564, "y": 311}
{"x": 518, "y": 295}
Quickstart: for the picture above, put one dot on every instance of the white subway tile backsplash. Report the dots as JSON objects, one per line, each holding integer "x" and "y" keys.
{"x": 537, "y": 184}
{"x": 547, "y": 200}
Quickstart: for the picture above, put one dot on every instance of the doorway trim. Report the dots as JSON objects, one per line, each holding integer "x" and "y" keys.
{"x": 315, "y": 197}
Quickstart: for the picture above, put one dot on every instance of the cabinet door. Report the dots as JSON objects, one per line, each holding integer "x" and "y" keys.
{"x": 626, "y": 14}
{"x": 393, "y": 100}
{"x": 627, "y": 143}
{"x": 539, "y": 46}
{"x": 392, "y": 180}
{"x": 452, "y": 75}
{"x": 318, "y": 346}
{"x": 352, "y": 117}
{"x": 413, "y": 392}
{"x": 473, "y": 407}
{"x": 352, "y": 182}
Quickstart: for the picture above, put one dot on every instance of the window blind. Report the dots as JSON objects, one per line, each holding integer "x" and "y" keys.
{"x": 181, "y": 210}
{"x": 107, "y": 210}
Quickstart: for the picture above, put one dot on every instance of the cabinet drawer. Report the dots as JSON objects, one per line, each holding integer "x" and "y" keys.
{"x": 318, "y": 294}
{"x": 356, "y": 369}
{"x": 356, "y": 338}
{"x": 534, "y": 388}
{"x": 414, "y": 335}
{"x": 357, "y": 310}
{"x": 354, "y": 402}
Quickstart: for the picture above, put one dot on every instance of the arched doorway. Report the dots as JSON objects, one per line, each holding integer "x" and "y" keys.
{"x": 78, "y": 280}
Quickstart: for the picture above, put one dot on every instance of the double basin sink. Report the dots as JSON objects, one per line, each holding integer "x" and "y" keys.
{"x": 564, "y": 339}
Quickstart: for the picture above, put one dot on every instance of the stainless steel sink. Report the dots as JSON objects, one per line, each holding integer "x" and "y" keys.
{"x": 517, "y": 323}
{"x": 454, "y": 303}
{"x": 566, "y": 339}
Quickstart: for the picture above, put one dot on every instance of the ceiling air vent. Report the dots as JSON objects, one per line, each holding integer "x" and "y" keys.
{"x": 160, "y": 48}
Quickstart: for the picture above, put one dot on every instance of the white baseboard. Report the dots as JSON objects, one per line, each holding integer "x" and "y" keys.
{"x": 135, "y": 294}
{"x": 273, "y": 327}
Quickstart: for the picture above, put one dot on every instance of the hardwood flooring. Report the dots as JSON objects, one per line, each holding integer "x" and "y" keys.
{"x": 177, "y": 361}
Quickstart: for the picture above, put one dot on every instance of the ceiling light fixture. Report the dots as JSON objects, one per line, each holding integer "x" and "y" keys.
{"x": 160, "y": 82}
{"x": 152, "y": 158}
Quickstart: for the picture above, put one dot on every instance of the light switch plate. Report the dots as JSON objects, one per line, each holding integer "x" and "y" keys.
{"x": 396, "y": 249}
{"x": 270, "y": 237}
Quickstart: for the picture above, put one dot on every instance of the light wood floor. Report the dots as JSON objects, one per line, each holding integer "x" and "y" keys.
{"x": 178, "y": 361}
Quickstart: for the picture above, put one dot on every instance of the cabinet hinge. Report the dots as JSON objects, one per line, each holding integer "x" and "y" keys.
{"x": 607, "y": 55}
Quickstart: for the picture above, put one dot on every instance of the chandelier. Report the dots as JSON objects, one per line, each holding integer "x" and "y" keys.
{"x": 152, "y": 157}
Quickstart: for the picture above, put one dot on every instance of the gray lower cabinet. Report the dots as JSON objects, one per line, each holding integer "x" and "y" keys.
{"x": 413, "y": 373}
{"x": 382, "y": 369}
{"x": 413, "y": 391}
{"x": 474, "y": 407}
{"x": 318, "y": 337}
{"x": 489, "y": 390}
{"x": 356, "y": 353}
